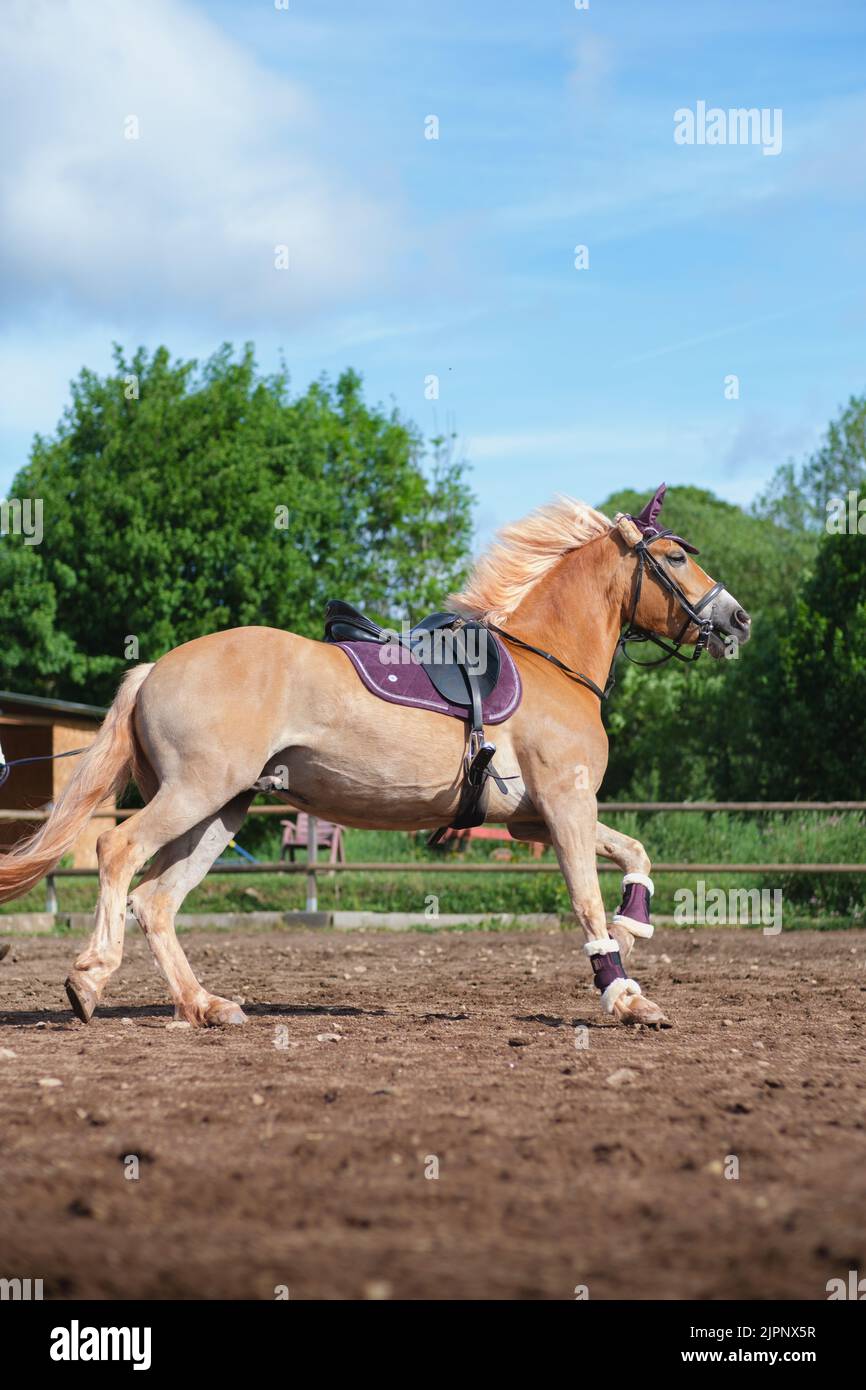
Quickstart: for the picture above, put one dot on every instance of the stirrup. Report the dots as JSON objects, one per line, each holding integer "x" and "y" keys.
{"x": 472, "y": 808}
{"x": 479, "y": 756}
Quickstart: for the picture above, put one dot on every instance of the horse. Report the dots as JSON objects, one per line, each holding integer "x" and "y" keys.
{"x": 231, "y": 713}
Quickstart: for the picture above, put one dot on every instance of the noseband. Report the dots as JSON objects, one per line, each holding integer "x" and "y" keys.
{"x": 632, "y": 633}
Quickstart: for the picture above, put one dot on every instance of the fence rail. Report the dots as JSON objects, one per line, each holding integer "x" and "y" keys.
{"x": 312, "y": 868}
{"x": 447, "y": 866}
{"x": 604, "y": 808}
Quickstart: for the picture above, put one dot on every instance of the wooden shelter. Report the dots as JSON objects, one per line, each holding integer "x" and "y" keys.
{"x": 31, "y": 727}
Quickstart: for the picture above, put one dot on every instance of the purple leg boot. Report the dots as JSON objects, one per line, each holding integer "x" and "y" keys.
{"x": 634, "y": 910}
{"x": 608, "y": 973}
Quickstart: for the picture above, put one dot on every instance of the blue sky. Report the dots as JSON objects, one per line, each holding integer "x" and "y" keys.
{"x": 408, "y": 256}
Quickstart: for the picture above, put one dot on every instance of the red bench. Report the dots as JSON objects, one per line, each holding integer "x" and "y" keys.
{"x": 296, "y": 835}
{"x": 491, "y": 832}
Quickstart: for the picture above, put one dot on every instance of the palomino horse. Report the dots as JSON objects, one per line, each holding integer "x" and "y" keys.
{"x": 207, "y": 725}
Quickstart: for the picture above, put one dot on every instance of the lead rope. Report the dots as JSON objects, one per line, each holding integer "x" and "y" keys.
{"x": 6, "y": 768}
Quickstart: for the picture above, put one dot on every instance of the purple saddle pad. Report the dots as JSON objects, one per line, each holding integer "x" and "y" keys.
{"x": 395, "y": 675}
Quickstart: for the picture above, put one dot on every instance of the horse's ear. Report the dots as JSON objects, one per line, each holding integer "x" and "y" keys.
{"x": 649, "y": 515}
{"x": 630, "y": 533}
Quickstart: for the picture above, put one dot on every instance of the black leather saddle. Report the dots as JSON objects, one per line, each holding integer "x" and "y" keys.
{"x": 462, "y": 660}
{"x": 458, "y": 654}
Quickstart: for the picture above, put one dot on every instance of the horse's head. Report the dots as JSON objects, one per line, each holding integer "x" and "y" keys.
{"x": 670, "y": 595}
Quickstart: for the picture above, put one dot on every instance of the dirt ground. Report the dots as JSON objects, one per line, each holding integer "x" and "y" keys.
{"x": 570, "y": 1151}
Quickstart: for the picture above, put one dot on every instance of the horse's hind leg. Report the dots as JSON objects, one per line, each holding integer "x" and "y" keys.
{"x": 119, "y": 858}
{"x": 104, "y": 951}
{"x": 121, "y": 852}
{"x": 155, "y": 900}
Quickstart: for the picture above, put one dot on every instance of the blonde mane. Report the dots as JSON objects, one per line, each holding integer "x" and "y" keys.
{"x": 523, "y": 553}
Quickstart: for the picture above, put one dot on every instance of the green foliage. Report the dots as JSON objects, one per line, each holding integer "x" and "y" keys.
{"x": 809, "y": 708}
{"x": 692, "y": 732}
{"x": 797, "y": 496}
{"x": 675, "y": 837}
{"x": 818, "y": 731}
{"x": 784, "y": 720}
{"x": 34, "y": 646}
{"x": 161, "y": 520}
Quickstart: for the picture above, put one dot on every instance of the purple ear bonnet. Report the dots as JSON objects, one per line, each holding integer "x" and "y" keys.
{"x": 647, "y": 522}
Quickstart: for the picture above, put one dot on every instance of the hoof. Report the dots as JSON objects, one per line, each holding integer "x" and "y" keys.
{"x": 82, "y": 996}
{"x": 637, "y": 1010}
{"x": 223, "y": 1013}
{"x": 212, "y": 1012}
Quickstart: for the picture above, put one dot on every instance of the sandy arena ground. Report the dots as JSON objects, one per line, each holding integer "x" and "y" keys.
{"x": 293, "y": 1151}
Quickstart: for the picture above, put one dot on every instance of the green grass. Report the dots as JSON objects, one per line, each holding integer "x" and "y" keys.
{"x": 671, "y": 836}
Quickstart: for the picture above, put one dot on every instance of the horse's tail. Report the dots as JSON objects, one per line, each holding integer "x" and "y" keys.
{"x": 104, "y": 768}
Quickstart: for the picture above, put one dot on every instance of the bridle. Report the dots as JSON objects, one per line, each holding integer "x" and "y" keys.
{"x": 646, "y": 561}
{"x": 632, "y": 633}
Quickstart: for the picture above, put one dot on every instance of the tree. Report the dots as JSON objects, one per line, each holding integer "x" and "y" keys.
{"x": 182, "y": 499}
{"x": 819, "y": 723}
{"x": 797, "y": 496}
{"x": 34, "y": 651}
{"x": 809, "y": 697}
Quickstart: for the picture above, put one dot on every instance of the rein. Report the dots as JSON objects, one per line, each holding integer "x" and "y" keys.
{"x": 633, "y": 633}
{"x": 548, "y": 656}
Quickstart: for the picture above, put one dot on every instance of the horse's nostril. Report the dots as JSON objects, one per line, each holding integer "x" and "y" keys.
{"x": 742, "y": 618}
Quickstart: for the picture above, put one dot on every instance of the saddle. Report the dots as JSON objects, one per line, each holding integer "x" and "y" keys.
{"x": 462, "y": 660}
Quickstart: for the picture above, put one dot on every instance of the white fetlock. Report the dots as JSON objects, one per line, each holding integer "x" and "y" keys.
{"x": 602, "y": 946}
{"x": 615, "y": 991}
{"x": 642, "y": 929}
{"x": 639, "y": 878}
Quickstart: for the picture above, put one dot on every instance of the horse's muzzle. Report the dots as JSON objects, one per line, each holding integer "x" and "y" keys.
{"x": 731, "y": 625}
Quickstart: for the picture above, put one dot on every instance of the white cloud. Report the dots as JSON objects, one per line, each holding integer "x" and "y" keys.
{"x": 762, "y": 441}
{"x": 593, "y": 65}
{"x": 734, "y": 459}
{"x": 185, "y": 219}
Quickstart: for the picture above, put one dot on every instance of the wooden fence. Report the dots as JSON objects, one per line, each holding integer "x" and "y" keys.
{"x": 312, "y": 868}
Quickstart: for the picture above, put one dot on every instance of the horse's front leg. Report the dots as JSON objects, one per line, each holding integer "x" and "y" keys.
{"x": 570, "y": 814}
{"x": 632, "y": 917}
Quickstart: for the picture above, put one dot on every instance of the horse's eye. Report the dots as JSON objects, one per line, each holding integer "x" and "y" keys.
{"x": 677, "y": 557}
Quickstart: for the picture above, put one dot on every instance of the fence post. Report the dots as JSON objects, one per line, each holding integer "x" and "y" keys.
{"x": 312, "y": 847}
{"x": 50, "y": 894}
